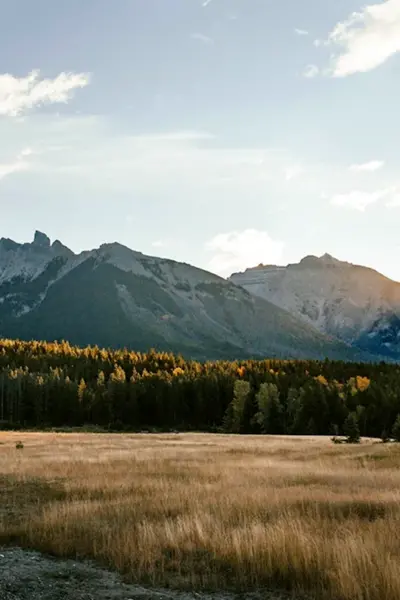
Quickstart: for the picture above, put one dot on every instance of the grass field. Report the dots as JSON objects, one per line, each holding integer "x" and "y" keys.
{"x": 211, "y": 511}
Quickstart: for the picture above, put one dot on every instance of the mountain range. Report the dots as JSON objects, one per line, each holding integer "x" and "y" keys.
{"x": 116, "y": 297}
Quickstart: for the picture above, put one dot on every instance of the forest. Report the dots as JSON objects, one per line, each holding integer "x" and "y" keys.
{"x": 49, "y": 385}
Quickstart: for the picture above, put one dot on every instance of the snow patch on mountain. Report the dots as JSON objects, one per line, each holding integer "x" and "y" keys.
{"x": 27, "y": 261}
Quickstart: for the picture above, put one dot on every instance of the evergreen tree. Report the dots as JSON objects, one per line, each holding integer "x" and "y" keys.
{"x": 351, "y": 429}
{"x": 270, "y": 411}
{"x": 53, "y": 384}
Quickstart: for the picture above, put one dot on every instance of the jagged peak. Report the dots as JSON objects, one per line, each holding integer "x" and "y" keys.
{"x": 41, "y": 240}
{"x": 60, "y": 250}
{"x": 7, "y": 244}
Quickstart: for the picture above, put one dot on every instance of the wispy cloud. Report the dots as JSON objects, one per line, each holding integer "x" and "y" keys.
{"x": 24, "y": 153}
{"x": 187, "y": 159}
{"x": 366, "y": 39}
{"x": 8, "y": 169}
{"x": 301, "y": 31}
{"x": 200, "y": 37}
{"x": 206, "y": 3}
{"x": 311, "y": 71}
{"x": 19, "y": 164}
{"x": 176, "y": 136}
{"x": 238, "y": 250}
{"x": 360, "y": 200}
{"x": 371, "y": 166}
{"x": 394, "y": 202}
{"x": 20, "y": 94}
{"x": 293, "y": 171}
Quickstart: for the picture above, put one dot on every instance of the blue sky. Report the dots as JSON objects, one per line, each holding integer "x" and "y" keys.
{"x": 222, "y": 133}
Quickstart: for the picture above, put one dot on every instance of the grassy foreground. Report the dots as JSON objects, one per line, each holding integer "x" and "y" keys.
{"x": 211, "y": 511}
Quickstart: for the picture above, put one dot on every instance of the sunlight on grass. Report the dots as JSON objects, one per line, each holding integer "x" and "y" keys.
{"x": 211, "y": 511}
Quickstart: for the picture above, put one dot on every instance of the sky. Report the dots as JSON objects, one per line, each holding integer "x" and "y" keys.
{"x": 221, "y": 133}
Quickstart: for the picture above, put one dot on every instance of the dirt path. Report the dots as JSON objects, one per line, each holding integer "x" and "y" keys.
{"x": 26, "y": 575}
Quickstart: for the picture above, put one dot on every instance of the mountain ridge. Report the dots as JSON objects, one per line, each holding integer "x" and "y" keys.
{"x": 323, "y": 260}
{"x": 353, "y": 303}
{"x": 114, "y": 296}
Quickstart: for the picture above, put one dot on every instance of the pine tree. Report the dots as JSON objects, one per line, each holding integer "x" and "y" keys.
{"x": 351, "y": 429}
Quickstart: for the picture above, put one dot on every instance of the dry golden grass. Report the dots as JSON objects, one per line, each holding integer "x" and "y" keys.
{"x": 211, "y": 511}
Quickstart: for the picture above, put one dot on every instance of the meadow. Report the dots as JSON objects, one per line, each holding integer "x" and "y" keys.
{"x": 203, "y": 511}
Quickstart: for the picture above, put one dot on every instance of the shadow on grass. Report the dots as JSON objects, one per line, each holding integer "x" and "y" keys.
{"x": 21, "y": 498}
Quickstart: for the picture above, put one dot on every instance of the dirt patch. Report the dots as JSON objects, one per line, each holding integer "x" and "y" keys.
{"x": 27, "y": 575}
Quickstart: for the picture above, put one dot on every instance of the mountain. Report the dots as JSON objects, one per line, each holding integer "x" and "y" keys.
{"x": 113, "y": 296}
{"x": 352, "y": 303}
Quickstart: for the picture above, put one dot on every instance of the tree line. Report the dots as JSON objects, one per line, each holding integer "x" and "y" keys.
{"x": 58, "y": 385}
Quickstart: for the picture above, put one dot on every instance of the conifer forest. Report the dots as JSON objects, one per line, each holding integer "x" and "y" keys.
{"x": 50, "y": 385}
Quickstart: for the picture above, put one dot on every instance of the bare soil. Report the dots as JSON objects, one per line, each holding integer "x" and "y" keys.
{"x": 28, "y": 575}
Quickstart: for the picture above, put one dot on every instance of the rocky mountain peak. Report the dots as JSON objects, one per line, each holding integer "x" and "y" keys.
{"x": 60, "y": 250}
{"x": 6, "y": 244}
{"x": 319, "y": 262}
{"x": 41, "y": 240}
{"x": 352, "y": 303}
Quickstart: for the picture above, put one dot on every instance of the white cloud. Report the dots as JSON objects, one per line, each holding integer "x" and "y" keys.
{"x": 359, "y": 200}
{"x": 8, "y": 169}
{"x": 301, "y": 31}
{"x": 20, "y": 164}
{"x": 394, "y": 202}
{"x": 19, "y": 94}
{"x": 200, "y": 37}
{"x": 238, "y": 250}
{"x": 206, "y": 3}
{"x": 371, "y": 166}
{"x": 293, "y": 172}
{"x": 311, "y": 71}
{"x": 25, "y": 152}
{"x": 366, "y": 39}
